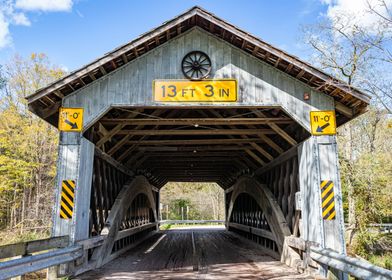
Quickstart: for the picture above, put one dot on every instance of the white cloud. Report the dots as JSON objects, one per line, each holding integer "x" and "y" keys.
{"x": 357, "y": 10}
{"x": 21, "y": 19}
{"x": 13, "y": 12}
{"x": 44, "y": 5}
{"x": 5, "y": 39}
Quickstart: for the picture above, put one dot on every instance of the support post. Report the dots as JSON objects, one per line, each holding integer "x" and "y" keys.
{"x": 319, "y": 166}
{"x": 75, "y": 163}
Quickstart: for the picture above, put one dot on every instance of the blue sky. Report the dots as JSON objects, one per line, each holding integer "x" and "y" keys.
{"x": 80, "y": 31}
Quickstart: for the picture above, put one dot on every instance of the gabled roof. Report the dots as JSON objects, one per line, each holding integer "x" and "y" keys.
{"x": 349, "y": 101}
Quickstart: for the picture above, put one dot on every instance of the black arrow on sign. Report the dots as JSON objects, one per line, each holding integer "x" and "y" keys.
{"x": 321, "y": 128}
{"x": 73, "y": 125}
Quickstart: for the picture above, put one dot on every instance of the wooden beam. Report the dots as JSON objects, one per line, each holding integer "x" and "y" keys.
{"x": 50, "y": 110}
{"x": 261, "y": 151}
{"x": 124, "y": 140}
{"x": 348, "y": 112}
{"x": 254, "y": 145}
{"x": 197, "y": 121}
{"x": 279, "y": 160}
{"x": 115, "y": 130}
{"x": 194, "y": 148}
{"x": 190, "y": 154}
{"x": 277, "y": 62}
{"x": 180, "y": 160}
{"x": 91, "y": 75}
{"x": 255, "y": 157}
{"x": 103, "y": 71}
{"x": 102, "y": 130}
{"x": 268, "y": 141}
{"x": 198, "y": 132}
{"x": 277, "y": 129}
{"x": 132, "y": 148}
{"x": 300, "y": 74}
{"x": 125, "y": 58}
{"x": 194, "y": 142}
{"x": 113, "y": 162}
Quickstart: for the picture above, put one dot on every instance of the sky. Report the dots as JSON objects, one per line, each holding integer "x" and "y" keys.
{"x": 73, "y": 33}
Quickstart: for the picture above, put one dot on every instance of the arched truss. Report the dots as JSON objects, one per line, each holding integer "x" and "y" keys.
{"x": 270, "y": 211}
{"x": 137, "y": 193}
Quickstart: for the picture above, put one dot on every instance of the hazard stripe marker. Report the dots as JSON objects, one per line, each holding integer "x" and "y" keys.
{"x": 327, "y": 200}
{"x": 67, "y": 199}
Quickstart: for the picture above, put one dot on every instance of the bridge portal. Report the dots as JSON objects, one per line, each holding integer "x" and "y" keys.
{"x": 198, "y": 99}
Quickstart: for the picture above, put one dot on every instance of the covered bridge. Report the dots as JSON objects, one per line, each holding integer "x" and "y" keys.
{"x": 198, "y": 100}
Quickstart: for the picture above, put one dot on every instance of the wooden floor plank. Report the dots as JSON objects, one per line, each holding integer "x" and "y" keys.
{"x": 219, "y": 255}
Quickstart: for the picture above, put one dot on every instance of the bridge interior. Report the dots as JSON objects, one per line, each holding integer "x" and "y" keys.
{"x": 195, "y": 144}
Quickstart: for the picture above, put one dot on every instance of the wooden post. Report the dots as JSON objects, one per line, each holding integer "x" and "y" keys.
{"x": 318, "y": 162}
{"x": 75, "y": 162}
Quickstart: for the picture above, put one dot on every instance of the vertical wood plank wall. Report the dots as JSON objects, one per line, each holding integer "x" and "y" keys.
{"x": 259, "y": 84}
{"x": 106, "y": 185}
{"x": 282, "y": 180}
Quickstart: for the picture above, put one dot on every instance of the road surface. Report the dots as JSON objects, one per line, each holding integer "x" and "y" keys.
{"x": 218, "y": 255}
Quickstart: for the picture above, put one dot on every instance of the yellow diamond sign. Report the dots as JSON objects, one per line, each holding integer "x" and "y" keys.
{"x": 323, "y": 122}
{"x": 71, "y": 119}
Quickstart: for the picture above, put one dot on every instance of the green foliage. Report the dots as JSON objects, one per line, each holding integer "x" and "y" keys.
{"x": 28, "y": 148}
{"x": 199, "y": 201}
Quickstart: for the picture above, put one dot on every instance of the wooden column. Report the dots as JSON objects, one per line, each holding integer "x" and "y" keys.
{"x": 75, "y": 162}
{"x": 318, "y": 161}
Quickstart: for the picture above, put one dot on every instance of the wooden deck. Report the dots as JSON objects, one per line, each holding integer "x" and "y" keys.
{"x": 218, "y": 255}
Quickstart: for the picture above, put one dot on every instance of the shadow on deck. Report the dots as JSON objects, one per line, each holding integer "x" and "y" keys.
{"x": 219, "y": 254}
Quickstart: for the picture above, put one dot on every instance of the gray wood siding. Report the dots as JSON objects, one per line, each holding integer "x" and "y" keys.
{"x": 259, "y": 84}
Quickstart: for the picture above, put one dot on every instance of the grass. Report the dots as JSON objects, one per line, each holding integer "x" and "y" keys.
{"x": 375, "y": 248}
{"x": 384, "y": 260}
{"x": 174, "y": 226}
{"x": 11, "y": 237}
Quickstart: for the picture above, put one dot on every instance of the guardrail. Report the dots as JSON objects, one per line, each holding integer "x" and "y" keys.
{"x": 30, "y": 247}
{"x": 163, "y": 222}
{"x": 26, "y": 257}
{"x": 353, "y": 266}
{"x": 16, "y": 267}
{"x": 23, "y": 261}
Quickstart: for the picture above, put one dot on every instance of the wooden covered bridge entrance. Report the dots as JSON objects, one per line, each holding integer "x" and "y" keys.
{"x": 198, "y": 99}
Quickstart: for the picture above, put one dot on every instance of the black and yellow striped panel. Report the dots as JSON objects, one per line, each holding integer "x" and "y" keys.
{"x": 327, "y": 200}
{"x": 67, "y": 199}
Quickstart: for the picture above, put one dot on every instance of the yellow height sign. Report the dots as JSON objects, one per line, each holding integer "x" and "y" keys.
{"x": 67, "y": 199}
{"x": 195, "y": 91}
{"x": 71, "y": 119}
{"x": 327, "y": 200}
{"x": 323, "y": 122}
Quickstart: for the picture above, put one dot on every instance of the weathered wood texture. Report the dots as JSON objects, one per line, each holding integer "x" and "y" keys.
{"x": 263, "y": 197}
{"x": 281, "y": 177}
{"x": 30, "y": 247}
{"x": 349, "y": 101}
{"x": 311, "y": 228}
{"x": 74, "y": 163}
{"x": 115, "y": 222}
{"x": 259, "y": 84}
{"x": 107, "y": 182}
{"x": 329, "y": 170}
{"x": 248, "y": 219}
{"x": 319, "y": 161}
{"x": 213, "y": 254}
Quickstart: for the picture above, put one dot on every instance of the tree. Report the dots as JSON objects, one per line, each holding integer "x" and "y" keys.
{"x": 28, "y": 147}
{"x": 358, "y": 56}
{"x": 204, "y": 200}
